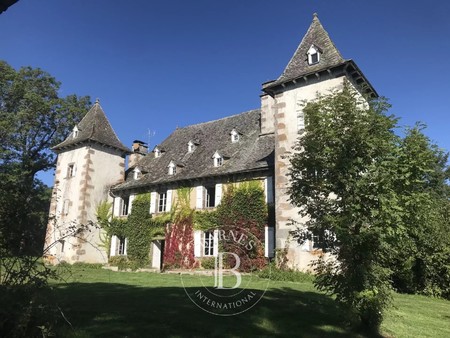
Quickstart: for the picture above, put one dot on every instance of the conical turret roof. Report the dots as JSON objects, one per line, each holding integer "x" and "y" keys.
{"x": 94, "y": 127}
{"x": 298, "y": 66}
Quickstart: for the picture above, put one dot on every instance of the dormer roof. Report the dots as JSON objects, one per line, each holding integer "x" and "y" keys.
{"x": 94, "y": 127}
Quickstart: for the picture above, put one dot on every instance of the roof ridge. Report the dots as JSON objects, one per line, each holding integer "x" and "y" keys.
{"x": 220, "y": 119}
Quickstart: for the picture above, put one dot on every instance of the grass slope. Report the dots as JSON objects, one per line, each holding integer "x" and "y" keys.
{"x": 102, "y": 303}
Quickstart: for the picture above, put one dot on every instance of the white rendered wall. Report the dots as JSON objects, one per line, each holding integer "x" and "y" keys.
{"x": 286, "y": 108}
{"x": 97, "y": 168}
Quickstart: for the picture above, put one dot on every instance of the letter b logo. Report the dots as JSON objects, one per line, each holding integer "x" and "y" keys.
{"x": 218, "y": 271}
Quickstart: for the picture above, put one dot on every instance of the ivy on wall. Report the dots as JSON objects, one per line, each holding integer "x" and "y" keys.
{"x": 178, "y": 250}
{"x": 139, "y": 228}
{"x": 243, "y": 212}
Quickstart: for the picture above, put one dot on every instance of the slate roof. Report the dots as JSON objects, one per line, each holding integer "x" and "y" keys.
{"x": 94, "y": 127}
{"x": 330, "y": 58}
{"x": 252, "y": 152}
{"x": 298, "y": 65}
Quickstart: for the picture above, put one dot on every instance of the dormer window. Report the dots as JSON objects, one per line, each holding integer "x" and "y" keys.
{"x": 234, "y": 136}
{"x": 172, "y": 168}
{"x": 191, "y": 147}
{"x": 157, "y": 152}
{"x": 313, "y": 55}
{"x": 75, "y": 132}
{"x": 136, "y": 173}
{"x": 218, "y": 160}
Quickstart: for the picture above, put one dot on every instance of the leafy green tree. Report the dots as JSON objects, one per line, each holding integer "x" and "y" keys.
{"x": 33, "y": 118}
{"x": 422, "y": 260}
{"x": 378, "y": 202}
{"x": 342, "y": 178}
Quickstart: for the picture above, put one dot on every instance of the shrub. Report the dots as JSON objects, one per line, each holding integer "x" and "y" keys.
{"x": 121, "y": 262}
{"x": 208, "y": 263}
{"x": 284, "y": 275}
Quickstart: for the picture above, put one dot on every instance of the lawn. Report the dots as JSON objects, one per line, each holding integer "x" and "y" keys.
{"x": 103, "y": 303}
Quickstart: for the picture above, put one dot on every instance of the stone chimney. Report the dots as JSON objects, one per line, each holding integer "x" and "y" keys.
{"x": 140, "y": 149}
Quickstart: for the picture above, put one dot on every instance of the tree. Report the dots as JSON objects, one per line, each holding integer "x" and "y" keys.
{"x": 341, "y": 178}
{"x": 422, "y": 260}
{"x": 378, "y": 202}
{"x": 33, "y": 118}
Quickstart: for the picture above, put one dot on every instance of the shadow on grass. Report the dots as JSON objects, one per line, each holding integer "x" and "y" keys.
{"x": 119, "y": 310}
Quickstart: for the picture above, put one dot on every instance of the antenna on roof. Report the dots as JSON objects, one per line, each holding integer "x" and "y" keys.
{"x": 150, "y": 134}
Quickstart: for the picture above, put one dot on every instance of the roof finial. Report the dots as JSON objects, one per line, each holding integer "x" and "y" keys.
{"x": 97, "y": 100}
{"x": 315, "y": 16}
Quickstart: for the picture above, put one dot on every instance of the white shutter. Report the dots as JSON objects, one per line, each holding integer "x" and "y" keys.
{"x": 269, "y": 241}
{"x": 130, "y": 203}
{"x": 153, "y": 197}
{"x": 216, "y": 243}
{"x": 116, "y": 210}
{"x": 74, "y": 171}
{"x": 197, "y": 243}
{"x": 59, "y": 205}
{"x": 126, "y": 247}
{"x": 199, "y": 203}
{"x": 112, "y": 251}
{"x": 169, "y": 200}
{"x": 218, "y": 194}
{"x": 300, "y": 120}
{"x": 268, "y": 183}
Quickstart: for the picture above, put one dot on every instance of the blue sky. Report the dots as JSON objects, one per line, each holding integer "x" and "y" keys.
{"x": 159, "y": 65}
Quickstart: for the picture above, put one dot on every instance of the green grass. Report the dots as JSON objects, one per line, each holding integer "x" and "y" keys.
{"x": 102, "y": 303}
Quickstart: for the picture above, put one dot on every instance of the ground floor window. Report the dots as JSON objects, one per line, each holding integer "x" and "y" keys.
{"x": 208, "y": 243}
{"x": 122, "y": 246}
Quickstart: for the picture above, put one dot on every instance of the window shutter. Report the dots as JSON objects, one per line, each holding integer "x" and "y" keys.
{"x": 268, "y": 182}
{"x": 112, "y": 251}
{"x": 269, "y": 241}
{"x": 59, "y": 206}
{"x": 153, "y": 197}
{"x": 197, "y": 243}
{"x": 199, "y": 203}
{"x": 126, "y": 247}
{"x": 218, "y": 194}
{"x": 169, "y": 200}
{"x": 74, "y": 171}
{"x": 216, "y": 243}
{"x": 130, "y": 203}
{"x": 116, "y": 210}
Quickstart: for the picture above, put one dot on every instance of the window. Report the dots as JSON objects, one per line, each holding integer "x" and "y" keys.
{"x": 66, "y": 205}
{"x": 210, "y": 197}
{"x": 191, "y": 147}
{"x": 122, "y": 246}
{"x": 136, "y": 174}
{"x": 313, "y": 55}
{"x": 172, "y": 168}
{"x": 124, "y": 202}
{"x": 70, "y": 170}
{"x": 218, "y": 160}
{"x": 234, "y": 136}
{"x": 75, "y": 132}
{"x": 208, "y": 243}
{"x": 162, "y": 202}
{"x": 63, "y": 244}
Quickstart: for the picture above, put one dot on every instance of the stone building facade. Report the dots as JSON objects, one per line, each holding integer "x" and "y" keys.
{"x": 255, "y": 145}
